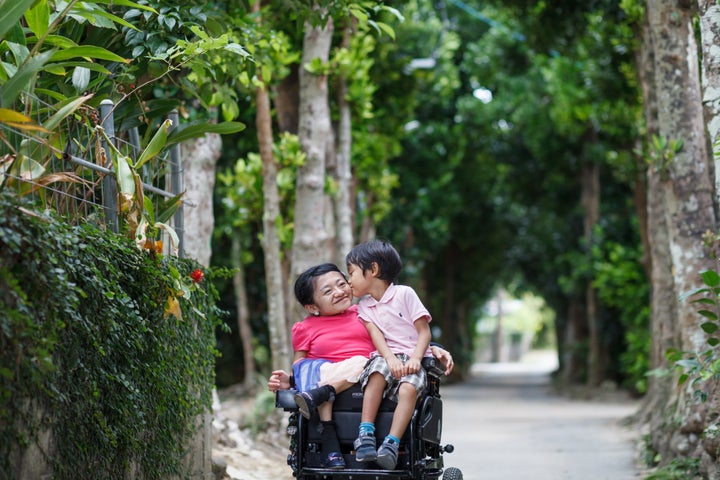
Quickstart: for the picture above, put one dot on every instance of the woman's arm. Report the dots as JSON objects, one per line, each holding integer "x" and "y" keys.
{"x": 444, "y": 357}
{"x": 280, "y": 379}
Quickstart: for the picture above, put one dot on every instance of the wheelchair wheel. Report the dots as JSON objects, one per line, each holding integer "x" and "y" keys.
{"x": 452, "y": 473}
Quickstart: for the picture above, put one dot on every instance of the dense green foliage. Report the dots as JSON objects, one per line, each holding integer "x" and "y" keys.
{"x": 498, "y": 133}
{"x": 89, "y": 350}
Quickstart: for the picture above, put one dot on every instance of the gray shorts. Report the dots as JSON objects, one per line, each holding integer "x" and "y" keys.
{"x": 379, "y": 365}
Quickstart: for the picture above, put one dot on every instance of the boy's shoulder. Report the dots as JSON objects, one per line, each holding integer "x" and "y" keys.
{"x": 404, "y": 291}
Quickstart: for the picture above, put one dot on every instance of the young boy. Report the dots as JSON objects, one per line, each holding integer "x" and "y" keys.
{"x": 398, "y": 325}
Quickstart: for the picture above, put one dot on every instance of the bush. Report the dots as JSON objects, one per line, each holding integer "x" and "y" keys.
{"x": 109, "y": 347}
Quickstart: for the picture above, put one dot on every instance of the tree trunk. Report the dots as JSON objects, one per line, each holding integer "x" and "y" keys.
{"x": 591, "y": 208}
{"x": 343, "y": 172}
{"x": 686, "y": 198}
{"x": 659, "y": 262}
{"x": 242, "y": 311}
{"x": 200, "y": 156}
{"x": 574, "y": 368}
{"x": 710, "y": 34}
{"x": 310, "y": 237}
{"x": 279, "y": 334}
{"x": 286, "y": 102}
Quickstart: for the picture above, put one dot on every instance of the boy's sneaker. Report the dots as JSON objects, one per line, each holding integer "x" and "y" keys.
{"x": 365, "y": 448}
{"x": 387, "y": 455}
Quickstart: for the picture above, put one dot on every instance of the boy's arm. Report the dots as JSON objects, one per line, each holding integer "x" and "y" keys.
{"x": 378, "y": 339}
{"x": 424, "y": 336}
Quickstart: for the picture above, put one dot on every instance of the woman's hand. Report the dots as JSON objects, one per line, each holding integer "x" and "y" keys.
{"x": 444, "y": 357}
{"x": 279, "y": 380}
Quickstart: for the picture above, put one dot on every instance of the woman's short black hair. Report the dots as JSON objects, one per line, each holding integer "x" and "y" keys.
{"x": 305, "y": 283}
{"x": 378, "y": 251}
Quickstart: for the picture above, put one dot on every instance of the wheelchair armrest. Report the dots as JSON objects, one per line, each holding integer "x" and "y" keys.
{"x": 285, "y": 399}
{"x": 433, "y": 367}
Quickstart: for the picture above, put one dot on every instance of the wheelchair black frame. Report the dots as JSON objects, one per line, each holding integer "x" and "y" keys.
{"x": 425, "y": 458}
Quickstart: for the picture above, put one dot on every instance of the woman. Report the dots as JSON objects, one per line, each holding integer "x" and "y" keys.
{"x": 331, "y": 348}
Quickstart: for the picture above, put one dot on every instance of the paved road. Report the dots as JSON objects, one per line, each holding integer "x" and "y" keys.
{"x": 506, "y": 424}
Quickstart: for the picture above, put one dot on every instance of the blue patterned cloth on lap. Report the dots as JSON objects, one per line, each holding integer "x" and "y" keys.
{"x": 307, "y": 373}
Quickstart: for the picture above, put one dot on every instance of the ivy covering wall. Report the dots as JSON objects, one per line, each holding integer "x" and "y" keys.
{"x": 94, "y": 349}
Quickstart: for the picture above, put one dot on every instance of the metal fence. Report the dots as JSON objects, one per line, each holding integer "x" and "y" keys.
{"x": 68, "y": 171}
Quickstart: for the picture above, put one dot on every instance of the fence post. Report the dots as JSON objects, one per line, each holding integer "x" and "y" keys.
{"x": 176, "y": 183}
{"x": 109, "y": 197}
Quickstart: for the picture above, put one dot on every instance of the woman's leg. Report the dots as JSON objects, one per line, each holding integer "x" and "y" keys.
{"x": 325, "y": 409}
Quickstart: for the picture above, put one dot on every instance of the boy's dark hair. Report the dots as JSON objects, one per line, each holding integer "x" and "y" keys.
{"x": 380, "y": 252}
{"x": 305, "y": 283}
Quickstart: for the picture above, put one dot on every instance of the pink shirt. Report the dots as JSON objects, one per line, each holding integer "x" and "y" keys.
{"x": 395, "y": 315}
{"x": 335, "y": 338}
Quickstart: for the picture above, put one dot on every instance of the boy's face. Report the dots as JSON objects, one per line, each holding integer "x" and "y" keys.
{"x": 359, "y": 281}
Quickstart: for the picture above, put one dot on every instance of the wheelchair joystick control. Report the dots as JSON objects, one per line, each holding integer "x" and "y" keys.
{"x": 448, "y": 448}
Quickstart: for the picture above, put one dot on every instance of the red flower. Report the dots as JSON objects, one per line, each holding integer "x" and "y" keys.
{"x": 197, "y": 275}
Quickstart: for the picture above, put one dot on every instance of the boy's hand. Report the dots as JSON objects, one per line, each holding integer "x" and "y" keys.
{"x": 396, "y": 366}
{"x": 413, "y": 365}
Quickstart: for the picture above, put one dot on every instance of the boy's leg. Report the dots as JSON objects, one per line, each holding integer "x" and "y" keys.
{"x": 407, "y": 397}
{"x": 388, "y": 452}
{"x": 372, "y": 397}
{"x": 365, "y": 445}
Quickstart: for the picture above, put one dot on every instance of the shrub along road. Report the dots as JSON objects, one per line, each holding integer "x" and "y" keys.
{"x": 507, "y": 424}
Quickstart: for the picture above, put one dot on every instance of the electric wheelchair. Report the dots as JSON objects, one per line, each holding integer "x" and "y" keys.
{"x": 420, "y": 454}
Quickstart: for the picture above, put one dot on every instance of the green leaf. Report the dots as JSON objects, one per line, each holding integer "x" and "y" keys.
{"x": 389, "y": 31}
{"x": 64, "y": 111}
{"x": 55, "y": 41}
{"x": 198, "y": 130}
{"x": 89, "y": 52}
{"x": 688, "y": 364}
{"x": 156, "y": 144}
{"x": 682, "y": 379}
{"x": 114, "y": 18}
{"x": 710, "y": 278}
{"x": 713, "y": 342}
{"x": 125, "y": 176}
{"x": 704, "y": 301}
{"x": 149, "y": 209}
{"x": 708, "y": 314}
{"x": 126, "y": 3}
{"x": 38, "y": 18}
{"x": 685, "y": 295}
{"x": 11, "y": 11}
{"x": 168, "y": 208}
{"x": 21, "y": 79}
{"x": 80, "y": 78}
{"x": 709, "y": 327}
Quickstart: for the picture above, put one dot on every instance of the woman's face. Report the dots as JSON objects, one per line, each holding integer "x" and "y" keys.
{"x": 332, "y": 294}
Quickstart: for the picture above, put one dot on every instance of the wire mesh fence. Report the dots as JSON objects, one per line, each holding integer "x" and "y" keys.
{"x": 68, "y": 168}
